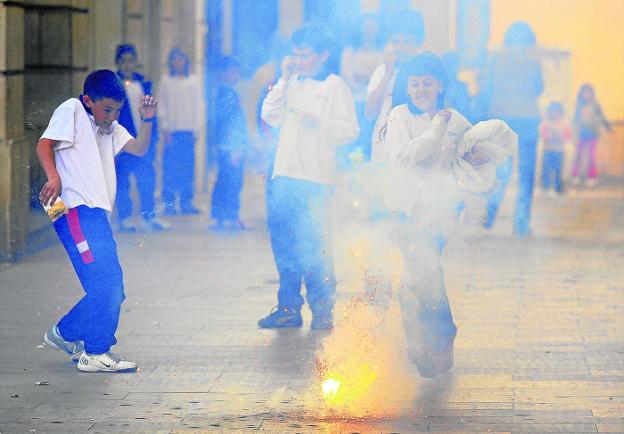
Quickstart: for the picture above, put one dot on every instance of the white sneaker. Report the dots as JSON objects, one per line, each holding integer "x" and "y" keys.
{"x": 107, "y": 362}
{"x": 155, "y": 224}
{"x": 54, "y": 339}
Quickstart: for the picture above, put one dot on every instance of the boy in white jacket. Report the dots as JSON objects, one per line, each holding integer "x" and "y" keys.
{"x": 316, "y": 113}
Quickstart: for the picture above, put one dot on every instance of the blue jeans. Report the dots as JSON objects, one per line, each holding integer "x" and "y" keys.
{"x": 300, "y": 231}
{"x": 88, "y": 240}
{"x": 227, "y": 189}
{"x": 145, "y": 175}
{"x": 179, "y": 169}
{"x": 425, "y": 307}
{"x": 527, "y": 130}
{"x": 551, "y": 169}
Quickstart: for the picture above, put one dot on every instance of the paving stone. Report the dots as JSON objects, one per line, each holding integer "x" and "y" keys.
{"x": 540, "y": 346}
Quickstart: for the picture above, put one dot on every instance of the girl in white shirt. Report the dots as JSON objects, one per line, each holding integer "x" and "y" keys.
{"x": 425, "y": 200}
{"x": 179, "y": 123}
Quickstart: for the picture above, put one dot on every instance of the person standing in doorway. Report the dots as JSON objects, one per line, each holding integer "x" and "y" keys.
{"x": 179, "y": 125}
{"x": 516, "y": 83}
{"x": 127, "y": 164}
{"x": 232, "y": 147}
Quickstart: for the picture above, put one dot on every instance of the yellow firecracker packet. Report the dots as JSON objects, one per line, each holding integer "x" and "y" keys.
{"x": 56, "y": 210}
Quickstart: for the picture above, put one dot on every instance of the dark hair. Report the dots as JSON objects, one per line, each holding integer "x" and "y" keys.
{"x": 580, "y": 100}
{"x": 423, "y": 64}
{"x": 555, "y": 106}
{"x": 313, "y": 36}
{"x": 519, "y": 34}
{"x": 406, "y": 22}
{"x": 104, "y": 83}
{"x": 123, "y": 49}
{"x": 177, "y": 52}
{"x": 357, "y": 37}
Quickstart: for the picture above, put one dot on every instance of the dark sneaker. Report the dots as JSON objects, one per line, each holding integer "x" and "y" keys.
{"x": 238, "y": 225}
{"x": 54, "y": 339}
{"x": 435, "y": 361}
{"x": 188, "y": 210}
{"x": 125, "y": 225}
{"x": 281, "y": 317}
{"x": 322, "y": 322}
{"x": 217, "y": 227}
{"x": 426, "y": 365}
{"x": 444, "y": 359}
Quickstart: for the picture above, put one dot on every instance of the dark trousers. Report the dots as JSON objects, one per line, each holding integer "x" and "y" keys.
{"x": 88, "y": 240}
{"x": 300, "y": 232}
{"x": 424, "y": 302}
{"x": 227, "y": 188}
{"x": 143, "y": 170}
{"x": 551, "y": 169}
{"x": 527, "y": 130}
{"x": 179, "y": 169}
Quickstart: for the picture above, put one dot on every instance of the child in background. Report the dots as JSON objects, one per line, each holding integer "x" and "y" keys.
{"x": 232, "y": 147}
{"x": 77, "y": 153}
{"x": 142, "y": 167}
{"x": 588, "y": 120}
{"x": 555, "y": 132}
{"x": 357, "y": 65}
{"x": 178, "y": 94}
{"x": 315, "y": 112}
{"x": 406, "y": 33}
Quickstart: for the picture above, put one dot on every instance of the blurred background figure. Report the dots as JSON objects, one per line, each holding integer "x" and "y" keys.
{"x": 126, "y": 164}
{"x": 232, "y": 147}
{"x": 359, "y": 61}
{"x": 588, "y": 121}
{"x": 179, "y": 123}
{"x": 515, "y": 84}
{"x": 555, "y": 132}
{"x": 406, "y": 34}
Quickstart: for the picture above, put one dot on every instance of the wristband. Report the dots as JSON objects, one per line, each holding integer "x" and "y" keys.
{"x": 152, "y": 119}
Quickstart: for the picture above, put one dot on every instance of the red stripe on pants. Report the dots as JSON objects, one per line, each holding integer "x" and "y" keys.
{"x": 76, "y": 232}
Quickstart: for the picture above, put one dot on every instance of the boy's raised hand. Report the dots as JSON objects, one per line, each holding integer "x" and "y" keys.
{"x": 148, "y": 107}
{"x": 288, "y": 67}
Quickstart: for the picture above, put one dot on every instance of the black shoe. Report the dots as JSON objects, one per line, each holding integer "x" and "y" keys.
{"x": 188, "y": 210}
{"x": 281, "y": 317}
{"x": 323, "y": 321}
{"x": 217, "y": 227}
{"x": 435, "y": 361}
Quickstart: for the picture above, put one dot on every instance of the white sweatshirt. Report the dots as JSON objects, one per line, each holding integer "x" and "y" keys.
{"x": 179, "y": 100}
{"x": 428, "y": 174}
{"x": 419, "y": 178}
{"x": 306, "y": 150}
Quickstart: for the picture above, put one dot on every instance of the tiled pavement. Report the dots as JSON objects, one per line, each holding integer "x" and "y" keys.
{"x": 540, "y": 345}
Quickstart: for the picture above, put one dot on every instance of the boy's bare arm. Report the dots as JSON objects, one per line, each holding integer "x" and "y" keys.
{"x": 52, "y": 188}
{"x": 140, "y": 145}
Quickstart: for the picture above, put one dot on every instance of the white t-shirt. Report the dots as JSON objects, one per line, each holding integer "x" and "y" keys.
{"x": 378, "y": 151}
{"x": 85, "y": 156}
{"x": 179, "y": 100}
